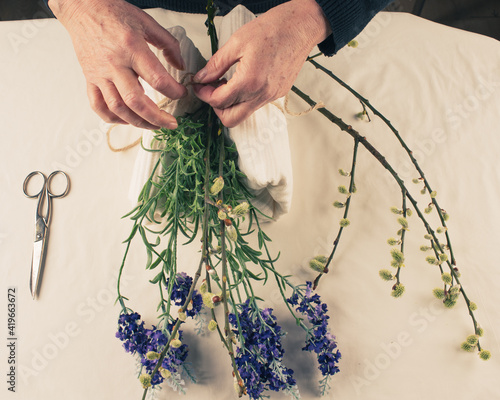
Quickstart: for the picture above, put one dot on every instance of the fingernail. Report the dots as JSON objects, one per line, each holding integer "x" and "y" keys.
{"x": 198, "y": 78}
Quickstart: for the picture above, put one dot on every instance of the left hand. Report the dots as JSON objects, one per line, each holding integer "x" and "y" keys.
{"x": 270, "y": 52}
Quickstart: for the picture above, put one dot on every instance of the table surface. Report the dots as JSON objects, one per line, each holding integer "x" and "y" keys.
{"x": 439, "y": 86}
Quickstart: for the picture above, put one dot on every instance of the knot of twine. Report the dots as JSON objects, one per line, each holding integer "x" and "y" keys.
{"x": 165, "y": 102}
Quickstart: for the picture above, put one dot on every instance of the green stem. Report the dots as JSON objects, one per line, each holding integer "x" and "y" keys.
{"x": 399, "y": 138}
{"x": 202, "y": 260}
{"x": 346, "y": 212}
{"x": 403, "y": 233}
{"x": 368, "y": 146}
{"x": 120, "y": 298}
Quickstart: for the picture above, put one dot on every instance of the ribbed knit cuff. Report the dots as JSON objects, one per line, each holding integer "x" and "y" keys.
{"x": 347, "y": 19}
{"x": 200, "y": 6}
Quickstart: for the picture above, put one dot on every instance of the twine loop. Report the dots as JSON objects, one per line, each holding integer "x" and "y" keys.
{"x": 165, "y": 102}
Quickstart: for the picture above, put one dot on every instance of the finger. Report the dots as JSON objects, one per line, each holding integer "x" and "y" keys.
{"x": 163, "y": 40}
{"x": 132, "y": 93}
{"x": 218, "y": 64}
{"x": 205, "y": 92}
{"x": 117, "y": 106}
{"x": 235, "y": 115}
{"x": 149, "y": 68}
{"x": 226, "y": 94}
{"x": 99, "y": 105}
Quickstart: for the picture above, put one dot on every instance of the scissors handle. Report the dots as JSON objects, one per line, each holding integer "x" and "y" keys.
{"x": 49, "y": 180}
{"x": 27, "y": 180}
{"x": 45, "y": 194}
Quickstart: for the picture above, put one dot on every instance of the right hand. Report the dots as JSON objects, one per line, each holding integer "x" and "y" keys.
{"x": 111, "y": 39}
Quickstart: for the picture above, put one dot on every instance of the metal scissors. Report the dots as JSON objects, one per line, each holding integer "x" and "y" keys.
{"x": 42, "y": 223}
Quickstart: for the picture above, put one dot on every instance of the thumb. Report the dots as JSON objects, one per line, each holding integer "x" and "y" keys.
{"x": 218, "y": 65}
{"x": 163, "y": 40}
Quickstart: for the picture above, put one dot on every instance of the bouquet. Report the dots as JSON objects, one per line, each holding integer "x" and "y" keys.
{"x": 196, "y": 193}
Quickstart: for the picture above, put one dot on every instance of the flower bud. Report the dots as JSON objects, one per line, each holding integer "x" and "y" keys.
{"x": 439, "y": 293}
{"x": 342, "y": 189}
{"x": 392, "y": 242}
{"x": 221, "y": 215}
{"x": 207, "y": 299}
{"x": 479, "y": 331}
{"x": 385, "y": 275}
{"x": 467, "y": 347}
{"x": 182, "y": 315}
{"x": 344, "y": 222}
{"x": 239, "y": 387}
{"x": 472, "y": 339}
{"x": 176, "y": 343}
{"x": 152, "y": 355}
{"x": 165, "y": 373}
{"x": 231, "y": 233}
{"x": 415, "y": 180}
{"x": 403, "y": 222}
{"x": 446, "y": 278}
{"x": 217, "y": 186}
{"x": 484, "y": 355}
{"x": 353, "y": 43}
{"x": 397, "y": 290}
{"x": 343, "y": 173}
{"x": 472, "y": 306}
{"x": 431, "y": 260}
{"x": 396, "y": 210}
{"x": 216, "y": 299}
{"x": 240, "y": 210}
{"x": 145, "y": 380}
{"x": 361, "y": 115}
{"x": 449, "y": 302}
{"x": 433, "y": 194}
{"x": 455, "y": 291}
{"x": 203, "y": 287}
{"x": 398, "y": 256}
{"x": 318, "y": 264}
{"x": 338, "y": 204}
{"x": 212, "y": 325}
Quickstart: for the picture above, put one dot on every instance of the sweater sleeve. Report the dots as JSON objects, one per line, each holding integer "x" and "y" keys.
{"x": 347, "y": 19}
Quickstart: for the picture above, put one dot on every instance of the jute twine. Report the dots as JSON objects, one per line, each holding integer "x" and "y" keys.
{"x": 187, "y": 80}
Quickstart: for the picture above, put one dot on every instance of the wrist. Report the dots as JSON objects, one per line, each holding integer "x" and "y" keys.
{"x": 316, "y": 21}
{"x": 65, "y": 9}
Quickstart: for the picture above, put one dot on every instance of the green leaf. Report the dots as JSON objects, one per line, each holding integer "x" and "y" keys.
{"x": 132, "y": 234}
{"x": 149, "y": 258}
{"x": 157, "y": 278}
{"x": 158, "y": 260}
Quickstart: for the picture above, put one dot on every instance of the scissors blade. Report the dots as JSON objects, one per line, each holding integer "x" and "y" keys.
{"x": 38, "y": 258}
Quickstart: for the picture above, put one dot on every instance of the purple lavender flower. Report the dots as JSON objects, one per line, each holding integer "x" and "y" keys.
{"x": 180, "y": 292}
{"x": 319, "y": 339}
{"x": 139, "y": 340}
{"x": 259, "y": 359}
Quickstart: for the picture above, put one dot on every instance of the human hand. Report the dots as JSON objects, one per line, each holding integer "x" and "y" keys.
{"x": 111, "y": 39}
{"x": 270, "y": 52}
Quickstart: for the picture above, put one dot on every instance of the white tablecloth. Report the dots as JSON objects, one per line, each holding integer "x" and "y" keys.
{"x": 439, "y": 86}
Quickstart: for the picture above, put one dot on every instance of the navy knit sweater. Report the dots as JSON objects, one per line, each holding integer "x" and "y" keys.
{"x": 347, "y": 17}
